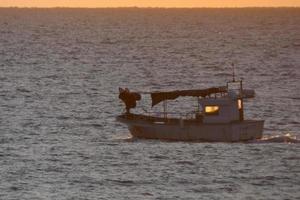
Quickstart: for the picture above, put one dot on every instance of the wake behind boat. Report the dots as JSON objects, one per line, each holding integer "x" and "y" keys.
{"x": 219, "y": 116}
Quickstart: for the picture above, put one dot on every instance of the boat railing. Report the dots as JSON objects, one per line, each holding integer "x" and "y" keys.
{"x": 174, "y": 115}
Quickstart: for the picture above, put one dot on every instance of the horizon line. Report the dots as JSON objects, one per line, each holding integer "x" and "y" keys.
{"x": 149, "y": 7}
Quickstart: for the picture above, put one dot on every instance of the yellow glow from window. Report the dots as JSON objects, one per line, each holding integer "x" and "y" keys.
{"x": 240, "y": 103}
{"x": 211, "y": 109}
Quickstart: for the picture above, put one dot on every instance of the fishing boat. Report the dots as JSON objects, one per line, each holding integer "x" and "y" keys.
{"x": 219, "y": 116}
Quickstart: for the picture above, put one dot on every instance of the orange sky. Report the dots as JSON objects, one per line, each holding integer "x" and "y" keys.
{"x": 149, "y": 3}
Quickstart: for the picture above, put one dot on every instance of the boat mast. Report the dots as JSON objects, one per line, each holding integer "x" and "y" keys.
{"x": 242, "y": 101}
{"x": 240, "y": 98}
{"x": 233, "y": 74}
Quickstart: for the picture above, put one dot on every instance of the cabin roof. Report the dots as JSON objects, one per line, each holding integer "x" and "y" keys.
{"x": 158, "y": 97}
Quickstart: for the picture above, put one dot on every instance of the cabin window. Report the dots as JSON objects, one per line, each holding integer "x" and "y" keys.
{"x": 212, "y": 110}
{"x": 240, "y": 104}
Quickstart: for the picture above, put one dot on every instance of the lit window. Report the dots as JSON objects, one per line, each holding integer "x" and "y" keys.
{"x": 240, "y": 103}
{"x": 212, "y": 110}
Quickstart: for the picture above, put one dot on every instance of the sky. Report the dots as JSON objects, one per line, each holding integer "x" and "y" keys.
{"x": 149, "y": 3}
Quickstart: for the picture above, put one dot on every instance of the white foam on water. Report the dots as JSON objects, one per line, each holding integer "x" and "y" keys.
{"x": 286, "y": 138}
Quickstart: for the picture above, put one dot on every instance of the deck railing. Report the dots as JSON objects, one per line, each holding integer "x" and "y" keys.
{"x": 172, "y": 115}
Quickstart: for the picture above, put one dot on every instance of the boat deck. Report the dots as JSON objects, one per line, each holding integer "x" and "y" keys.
{"x": 155, "y": 120}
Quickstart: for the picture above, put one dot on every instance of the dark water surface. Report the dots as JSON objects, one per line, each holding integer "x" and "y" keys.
{"x": 60, "y": 73}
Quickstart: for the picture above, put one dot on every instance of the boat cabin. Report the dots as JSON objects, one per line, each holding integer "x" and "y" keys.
{"x": 221, "y": 110}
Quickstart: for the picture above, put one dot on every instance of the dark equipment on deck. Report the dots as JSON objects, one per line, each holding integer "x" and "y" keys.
{"x": 129, "y": 98}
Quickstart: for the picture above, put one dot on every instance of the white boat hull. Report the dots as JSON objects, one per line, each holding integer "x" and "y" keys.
{"x": 185, "y": 131}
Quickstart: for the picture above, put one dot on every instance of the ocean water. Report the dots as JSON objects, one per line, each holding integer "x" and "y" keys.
{"x": 59, "y": 79}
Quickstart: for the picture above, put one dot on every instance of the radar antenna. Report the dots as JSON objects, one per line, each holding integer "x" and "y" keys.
{"x": 233, "y": 74}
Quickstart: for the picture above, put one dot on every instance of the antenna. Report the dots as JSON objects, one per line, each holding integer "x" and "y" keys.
{"x": 233, "y": 74}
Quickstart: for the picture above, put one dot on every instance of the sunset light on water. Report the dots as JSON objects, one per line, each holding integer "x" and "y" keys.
{"x": 111, "y": 99}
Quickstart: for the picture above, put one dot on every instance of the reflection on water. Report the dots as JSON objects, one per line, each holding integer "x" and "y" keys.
{"x": 60, "y": 74}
